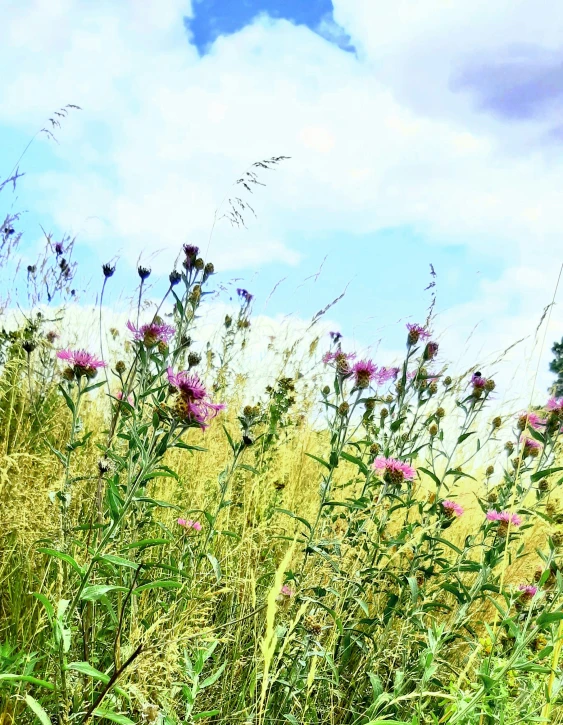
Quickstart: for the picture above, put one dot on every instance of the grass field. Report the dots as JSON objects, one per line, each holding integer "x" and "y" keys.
{"x": 382, "y": 546}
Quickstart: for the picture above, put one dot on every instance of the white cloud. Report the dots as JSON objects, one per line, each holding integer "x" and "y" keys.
{"x": 376, "y": 141}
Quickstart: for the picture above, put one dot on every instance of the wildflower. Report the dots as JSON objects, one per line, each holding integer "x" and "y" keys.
{"x": 393, "y": 471}
{"x": 497, "y": 422}
{"x": 120, "y": 367}
{"x": 447, "y": 381}
{"x": 108, "y": 270}
{"x": 341, "y": 360}
{"x": 59, "y": 249}
{"x": 374, "y": 449}
{"x": 451, "y": 508}
{"x": 531, "y": 448}
{"x": 370, "y": 404}
{"x": 489, "y": 471}
{"x": 189, "y": 524}
{"x": 153, "y": 333}
{"x": 433, "y": 388}
{"x": 529, "y": 591}
{"x": 191, "y": 253}
{"x": 120, "y": 396}
{"x": 192, "y": 404}
{"x": 193, "y": 359}
{"x": 440, "y": 413}
{"x": 29, "y": 346}
{"x": 531, "y": 420}
{"x": 287, "y": 591}
{"x": 245, "y": 295}
{"x": 81, "y": 363}
{"x": 143, "y": 272}
{"x": 312, "y": 626}
{"x": 509, "y": 447}
{"x": 208, "y": 270}
{"x": 325, "y": 390}
{"x": 343, "y": 409}
{"x": 199, "y": 263}
{"x": 433, "y": 429}
{"x": 335, "y": 336}
{"x": 384, "y": 412}
{"x": 555, "y": 405}
{"x": 557, "y": 538}
{"x": 174, "y": 278}
{"x": 364, "y": 372}
{"x": 52, "y": 336}
{"x": 384, "y": 375}
{"x": 504, "y": 519}
{"x": 416, "y": 333}
{"x": 543, "y": 485}
{"x": 430, "y": 351}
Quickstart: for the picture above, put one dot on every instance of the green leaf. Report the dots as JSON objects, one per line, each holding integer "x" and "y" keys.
{"x": 159, "y": 584}
{"x": 356, "y": 461}
{"x": 549, "y": 617}
{"x": 64, "y": 557}
{"x": 156, "y": 502}
{"x": 546, "y": 472}
{"x": 95, "y": 591}
{"x": 251, "y": 469}
{"x": 233, "y": 447}
{"x": 119, "y": 561}
{"x": 207, "y": 713}
{"x": 87, "y": 669}
{"x": 113, "y": 716}
{"x": 27, "y": 678}
{"x": 433, "y": 476}
{"x": 294, "y": 516}
{"x": 319, "y": 460}
{"x": 213, "y": 678}
{"x": 186, "y": 447}
{"x": 69, "y": 401}
{"x": 143, "y": 543}
{"x": 38, "y": 710}
{"x": 464, "y": 436}
{"x": 216, "y": 566}
{"x": 46, "y": 603}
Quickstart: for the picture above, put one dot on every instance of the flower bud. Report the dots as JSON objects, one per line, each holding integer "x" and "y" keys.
{"x": 374, "y": 449}
{"x": 433, "y": 429}
{"x": 509, "y": 447}
{"x": 326, "y": 390}
{"x": 490, "y": 470}
{"x": 193, "y": 359}
{"x": 497, "y": 422}
{"x": 433, "y": 388}
{"x": 370, "y": 403}
{"x": 343, "y": 409}
{"x": 447, "y": 380}
{"x": 384, "y": 412}
{"x": 199, "y": 263}
{"x": 440, "y": 413}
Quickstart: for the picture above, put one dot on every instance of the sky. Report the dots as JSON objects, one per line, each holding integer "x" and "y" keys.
{"x": 419, "y": 133}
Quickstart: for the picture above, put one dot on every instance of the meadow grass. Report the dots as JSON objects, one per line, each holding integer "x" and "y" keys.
{"x": 353, "y": 544}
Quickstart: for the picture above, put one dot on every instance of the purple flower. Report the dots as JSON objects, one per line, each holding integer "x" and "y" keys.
{"x": 555, "y": 405}
{"x": 287, "y": 591}
{"x": 59, "y": 249}
{"x": 364, "y": 372}
{"x": 528, "y": 591}
{"x": 416, "y": 333}
{"x": 81, "y": 363}
{"x": 244, "y": 294}
{"x": 340, "y": 359}
{"x": 384, "y": 375}
{"x": 394, "y": 471}
{"x": 335, "y": 336}
{"x": 192, "y": 404}
{"x": 504, "y": 517}
{"x": 529, "y": 420}
{"x": 189, "y": 524}
{"x": 153, "y": 333}
{"x": 431, "y": 350}
{"x": 478, "y": 381}
{"x": 452, "y": 508}
{"x": 531, "y": 447}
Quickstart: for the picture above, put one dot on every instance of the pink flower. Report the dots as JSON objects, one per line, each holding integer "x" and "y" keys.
{"x": 504, "y": 517}
{"x": 192, "y": 403}
{"x": 478, "y": 381}
{"x": 452, "y": 508}
{"x": 528, "y": 590}
{"x": 81, "y": 363}
{"x": 384, "y": 375}
{"x": 189, "y": 524}
{"x": 393, "y": 471}
{"x": 529, "y": 420}
{"x": 364, "y": 372}
{"x": 340, "y": 359}
{"x": 119, "y": 396}
{"x": 555, "y": 405}
{"x": 153, "y": 333}
{"x": 531, "y": 447}
{"x": 287, "y": 591}
{"x": 416, "y": 333}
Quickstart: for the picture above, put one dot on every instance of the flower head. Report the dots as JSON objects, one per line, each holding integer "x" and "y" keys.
{"x": 59, "y": 249}
{"x": 555, "y": 405}
{"x": 143, "y": 272}
{"x": 532, "y": 447}
{"x": 416, "y": 333}
{"x": 120, "y": 396}
{"x": 340, "y": 359}
{"x": 153, "y": 333}
{"x": 478, "y": 381}
{"x": 528, "y": 591}
{"x": 81, "y": 363}
{"x": 108, "y": 270}
{"x": 529, "y": 420}
{"x": 504, "y": 518}
{"x": 364, "y": 372}
{"x": 191, "y": 252}
{"x": 394, "y": 471}
{"x": 244, "y": 295}
{"x": 451, "y": 508}
{"x": 189, "y": 524}
{"x": 192, "y": 404}
{"x": 431, "y": 350}
{"x": 287, "y": 591}
{"x": 335, "y": 336}
{"x": 384, "y": 375}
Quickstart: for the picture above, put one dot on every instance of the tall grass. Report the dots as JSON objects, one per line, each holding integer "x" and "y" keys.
{"x": 175, "y": 552}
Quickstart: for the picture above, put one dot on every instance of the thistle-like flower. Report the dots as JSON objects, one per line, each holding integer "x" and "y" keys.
{"x": 153, "y": 333}
{"x": 393, "y": 471}
{"x": 364, "y": 372}
{"x": 416, "y": 333}
{"x": 81, "y": 363}
{"x": 451, "y": 508}
{"x": 192, "y": 404}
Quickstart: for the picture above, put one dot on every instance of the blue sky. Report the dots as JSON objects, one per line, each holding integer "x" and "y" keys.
{"x": 400, "y": 157}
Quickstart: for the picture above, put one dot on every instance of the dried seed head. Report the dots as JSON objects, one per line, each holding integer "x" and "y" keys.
{"x": 193, "y": 359}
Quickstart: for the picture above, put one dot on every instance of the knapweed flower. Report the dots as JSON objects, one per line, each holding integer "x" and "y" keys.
{"x": 416, "y": 333}
{"x": 555, "y": 405}
{"x": 287, "y": 591}
{"x": 504, "y": 519}
{"x": 393, "y": 471}
{"x": 143, "y": 272}
{"x": 244, "y": 295}
{"x": 81, "y": 363}
{"x": 528, "y": 591}
{"x": 59, "y": 249}
{"x": 189, "y": 524}
{"x": 191, "y": 253}
{"x": 532, "y": 448}
{"x": 340, "y": 359}
{"x": 478, "y": 381}
{"x": 451, "y": 508}
{"x": 364, "y": 372}
{"x": 153, "y": 333}
{"x": 174, "y": 277}
{"x": 529, "y": 420}
{"x": 431, "y": 350}
{"x": 384, "y": 375}
{"x": 335, "y": 336}
{"x": 119, "y": 395}
{"x": 192, "y": 404}
{"x": 108, "y": 270}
